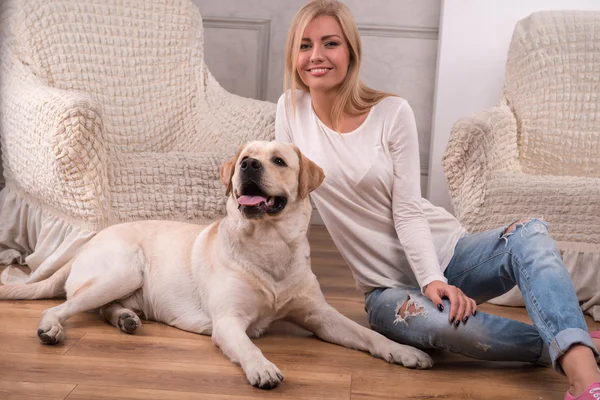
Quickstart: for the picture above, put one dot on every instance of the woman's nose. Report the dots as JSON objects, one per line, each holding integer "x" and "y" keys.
{"x": 316, "y": 56}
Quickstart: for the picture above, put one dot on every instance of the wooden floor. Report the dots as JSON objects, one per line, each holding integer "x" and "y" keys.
{"x": 159, "y": 362}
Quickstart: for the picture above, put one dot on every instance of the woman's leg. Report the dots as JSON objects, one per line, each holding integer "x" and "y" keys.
{"x": 408, "y": 317}
{"x": 489, "y": 264}
{"x": 596, "y": 339}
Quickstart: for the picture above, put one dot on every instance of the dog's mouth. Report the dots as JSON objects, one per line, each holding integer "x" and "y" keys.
{"x": 254, "y": 202}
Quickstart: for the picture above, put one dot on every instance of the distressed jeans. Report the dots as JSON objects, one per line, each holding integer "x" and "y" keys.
{"x": 484, "y": 266}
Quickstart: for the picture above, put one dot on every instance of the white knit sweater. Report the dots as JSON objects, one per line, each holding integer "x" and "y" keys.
{"x": 371, "y": 199}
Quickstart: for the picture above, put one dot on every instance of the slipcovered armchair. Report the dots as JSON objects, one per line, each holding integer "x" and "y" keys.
{"x": 537, "y": 152}
{"x": 109, "y": 114}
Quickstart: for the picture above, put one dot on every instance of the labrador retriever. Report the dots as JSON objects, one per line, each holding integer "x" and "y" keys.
{"x": 229, "y": 279}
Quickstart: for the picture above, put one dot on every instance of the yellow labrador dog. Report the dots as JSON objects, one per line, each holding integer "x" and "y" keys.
{"x": 230, "y": 279}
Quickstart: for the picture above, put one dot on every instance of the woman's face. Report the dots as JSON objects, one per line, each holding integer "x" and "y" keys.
{"x": 324, "y": 56}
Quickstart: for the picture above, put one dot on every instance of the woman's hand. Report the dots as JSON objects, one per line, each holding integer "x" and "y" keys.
{"x": 461, "y": 306}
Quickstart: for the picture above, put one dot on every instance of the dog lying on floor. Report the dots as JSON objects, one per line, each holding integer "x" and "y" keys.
{"x": 230, "y": 279}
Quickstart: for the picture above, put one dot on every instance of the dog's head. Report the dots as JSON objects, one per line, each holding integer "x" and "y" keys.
{"x": 266, "y": 178}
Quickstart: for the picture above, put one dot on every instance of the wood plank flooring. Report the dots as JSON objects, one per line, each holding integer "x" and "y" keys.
{"x": 97, "y": 361}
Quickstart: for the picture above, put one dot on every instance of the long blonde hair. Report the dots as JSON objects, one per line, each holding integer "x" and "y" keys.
{"x": 354, "y": 97}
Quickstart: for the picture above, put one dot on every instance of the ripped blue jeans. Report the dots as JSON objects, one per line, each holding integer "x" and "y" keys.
{"x": 486, "y": 265}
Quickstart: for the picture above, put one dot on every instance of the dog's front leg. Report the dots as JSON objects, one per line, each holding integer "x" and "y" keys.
{"x": 316, "y": 315}
{"x": 229, "y": 334}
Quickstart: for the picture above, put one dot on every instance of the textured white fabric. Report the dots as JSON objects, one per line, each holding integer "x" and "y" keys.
{"x": 33, "y": 236}
{"x": 552, "y": 76}
{"x": 371, "y": 199}
{"x": 536, "y": 154}
{"x": 108, "y": 112}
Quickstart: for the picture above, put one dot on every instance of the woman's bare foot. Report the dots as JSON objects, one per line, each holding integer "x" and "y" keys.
{"x": 595, "y": 334}
{"x": 579, "y": 365}
{"x": 597, "y": 344}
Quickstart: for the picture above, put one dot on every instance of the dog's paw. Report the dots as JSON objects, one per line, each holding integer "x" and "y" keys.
{"x": 129, "y": 322}
{"x": 408, "y": 356}
{"x": 263, "y": 374}
{"x": 50, "y": 333}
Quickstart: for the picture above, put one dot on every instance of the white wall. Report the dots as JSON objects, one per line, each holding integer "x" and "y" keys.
{"x": 474, "y": 36}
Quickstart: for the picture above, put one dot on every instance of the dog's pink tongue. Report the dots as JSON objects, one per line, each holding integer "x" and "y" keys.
{"x": 251, "y": 200}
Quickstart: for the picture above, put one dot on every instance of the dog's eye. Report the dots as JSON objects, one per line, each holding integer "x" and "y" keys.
{"x": 279, "y": 161}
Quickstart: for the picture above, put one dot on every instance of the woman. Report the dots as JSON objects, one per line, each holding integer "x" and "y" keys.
{"x": 421, "y": 273}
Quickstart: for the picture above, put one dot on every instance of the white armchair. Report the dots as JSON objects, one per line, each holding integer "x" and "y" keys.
{"x": 109, "y": 114}
{"x": 537, "y": 153}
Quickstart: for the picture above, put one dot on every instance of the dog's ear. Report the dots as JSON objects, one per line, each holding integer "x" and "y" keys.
{"x": 228, "y": 169}
{"x": 310, "y": 176}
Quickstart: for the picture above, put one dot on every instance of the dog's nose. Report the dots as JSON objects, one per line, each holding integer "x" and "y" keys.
{"x": 251, "y": 165}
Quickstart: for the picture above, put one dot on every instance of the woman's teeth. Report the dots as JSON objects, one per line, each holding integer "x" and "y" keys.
{"x": 319, "y": 71}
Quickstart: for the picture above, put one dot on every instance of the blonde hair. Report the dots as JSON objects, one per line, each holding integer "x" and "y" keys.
{"x": 354, "y": 97}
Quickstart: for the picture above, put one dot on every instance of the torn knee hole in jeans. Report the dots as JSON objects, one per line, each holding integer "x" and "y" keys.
{"x": 410, "y": 308}
{"x": 538, "y": 227}
{"x": 511, "y": 229}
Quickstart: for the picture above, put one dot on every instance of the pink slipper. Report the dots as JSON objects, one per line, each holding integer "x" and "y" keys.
{"x": 591, "y": 393}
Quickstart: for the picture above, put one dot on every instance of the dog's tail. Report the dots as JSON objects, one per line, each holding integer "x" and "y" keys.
{"x": 53, "y": 286}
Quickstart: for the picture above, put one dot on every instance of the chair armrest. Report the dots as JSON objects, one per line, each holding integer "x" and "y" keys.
{"x": 52, "y": 142}
{"x": 479, "y": 147}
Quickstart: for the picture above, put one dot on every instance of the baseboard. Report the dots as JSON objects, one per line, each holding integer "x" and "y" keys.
{"x": 316, "y": 218}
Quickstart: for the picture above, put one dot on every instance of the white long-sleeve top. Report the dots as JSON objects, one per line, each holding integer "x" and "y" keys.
{"x": 370, "y": 200}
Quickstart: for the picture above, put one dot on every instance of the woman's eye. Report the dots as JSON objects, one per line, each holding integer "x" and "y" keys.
{"x": 304, "y": 46}
{"x": 279, "y": 161}
{"x": 331, "y": 44}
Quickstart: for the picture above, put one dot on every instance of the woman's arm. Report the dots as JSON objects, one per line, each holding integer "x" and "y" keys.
{"x": 283, "y": 131}
{"x": 409, "y": 221}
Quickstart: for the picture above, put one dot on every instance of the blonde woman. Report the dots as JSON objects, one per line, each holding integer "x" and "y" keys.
{"x": 422, "y": 273}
